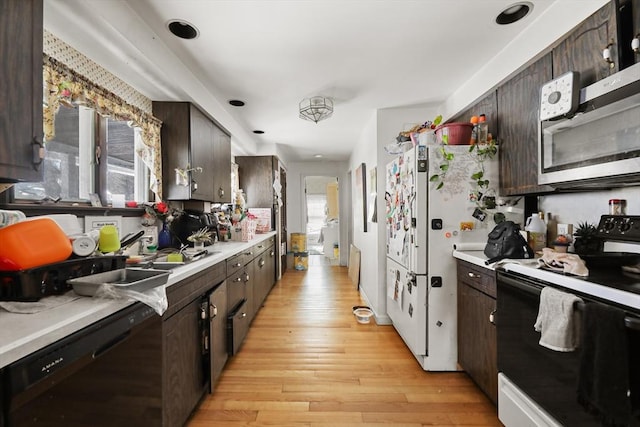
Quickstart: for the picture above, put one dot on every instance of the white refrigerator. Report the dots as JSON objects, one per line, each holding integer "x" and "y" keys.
{"x": 422, "y": 225}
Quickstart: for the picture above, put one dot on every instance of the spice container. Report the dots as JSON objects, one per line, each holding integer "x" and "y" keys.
{"x": 617, "y": 207}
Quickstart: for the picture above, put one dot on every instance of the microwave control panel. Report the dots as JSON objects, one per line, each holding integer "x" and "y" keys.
{"x": 560, "y": 97}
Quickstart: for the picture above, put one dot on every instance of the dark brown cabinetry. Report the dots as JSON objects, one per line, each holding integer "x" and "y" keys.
{"x": 257, "y": 175}
{"x": 21, "y": 28}
{"x": 581, "y": 50}
{"x": 218, "y": 331}
{"x": 190, "y": 140}
{"x": 477, "y": 341}
{"x": 518, "y": 101}
{"x": 186, "y": 347}
{"x": 487, "y": 106}
{"x": 264, "y": 272}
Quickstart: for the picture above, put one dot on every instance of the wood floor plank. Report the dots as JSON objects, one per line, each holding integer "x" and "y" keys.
{"x": 306, "y": 362}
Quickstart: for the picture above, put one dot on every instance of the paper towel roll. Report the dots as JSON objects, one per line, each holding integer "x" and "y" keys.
{"x": 479, "y": 246}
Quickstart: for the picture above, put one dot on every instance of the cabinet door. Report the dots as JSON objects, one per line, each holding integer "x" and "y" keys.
{"x": 518, "y": 101}
{"x": 582, "y": 49}
{"x": 218, "y": 331}
{"x": 202, "y": 154}
{"x": 184, "y": 381}
{"x": 477, "y": 341}
{"x": 256, "y": 175}
{"x": 488, "y": 107}
{"x": 21, "y": 28}
{"x": 222, "y": 166}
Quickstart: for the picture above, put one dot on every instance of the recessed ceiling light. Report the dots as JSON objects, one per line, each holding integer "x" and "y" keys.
{"x": 258, "y": 132}
{"x": 514, "y": 13}
{"x": 318, "y": 156}
{"x": 182, "y": 29}
{"x": 236, "y": 103}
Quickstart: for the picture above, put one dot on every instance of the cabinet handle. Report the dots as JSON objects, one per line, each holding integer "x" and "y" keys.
{"x": 492, "y": 317}
{"x": 244, "y": 315}
{"x": 238, "y": 279}
{"x": 260, "y": 246}
{"x": 38, "y": 152}
{"x": 220, "y": 192}
{"x": 237, "y": 265}
{"x": 246, "y": 278}
{"x": 249, "y": 253}
{"x": 272, "y": 253}
{"x": 635, "y": 43}
{"x": 606, "y": 55}
{"x": 261, "y": 262}
{"x": 213, "y": 310}
{"x": 203, "y": 314}
{"x": 474, "y": 275}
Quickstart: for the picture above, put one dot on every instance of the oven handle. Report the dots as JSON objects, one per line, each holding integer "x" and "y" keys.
{"x": 528, "y": 286}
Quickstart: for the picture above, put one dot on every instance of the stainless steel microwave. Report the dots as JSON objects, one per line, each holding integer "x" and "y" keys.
{"x": 594, "y": 139}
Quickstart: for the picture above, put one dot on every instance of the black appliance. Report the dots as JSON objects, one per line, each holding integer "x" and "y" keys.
{"x": 547, "y": 379}
{"x": 188, "y": 222}
{"x": 103, "y": 375}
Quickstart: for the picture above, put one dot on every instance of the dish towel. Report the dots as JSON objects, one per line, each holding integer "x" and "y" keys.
{"x": 559, "y": 261}
{"x": 603, "y": 377}
{"x": 558, "y": 322}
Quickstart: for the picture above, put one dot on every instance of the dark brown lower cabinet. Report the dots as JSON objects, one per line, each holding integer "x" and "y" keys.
{"x": 218, "y": 332}
{"x": 184, "y": 377}
{"x": 477, "y": 341}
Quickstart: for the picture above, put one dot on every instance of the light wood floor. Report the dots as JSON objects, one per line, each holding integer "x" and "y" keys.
{"x": 307, "y": 362}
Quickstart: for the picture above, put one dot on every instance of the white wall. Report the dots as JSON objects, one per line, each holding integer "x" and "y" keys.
{"x": 296, "y": 173}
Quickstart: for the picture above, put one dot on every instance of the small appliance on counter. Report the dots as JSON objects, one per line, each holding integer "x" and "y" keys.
{"x": 190, "y": 221}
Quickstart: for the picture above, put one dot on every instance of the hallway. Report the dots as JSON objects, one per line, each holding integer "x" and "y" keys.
{"x": 307, "y": 362}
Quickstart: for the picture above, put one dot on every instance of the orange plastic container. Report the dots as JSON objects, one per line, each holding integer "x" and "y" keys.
{"x": 32, "y": 243}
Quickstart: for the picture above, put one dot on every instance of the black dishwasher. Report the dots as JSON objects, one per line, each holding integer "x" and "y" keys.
{"x": 106, "y": 374}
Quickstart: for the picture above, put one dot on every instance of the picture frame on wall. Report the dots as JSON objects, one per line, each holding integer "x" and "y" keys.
{"x": 361, "y": 194}
{"x": 373, "y": 195}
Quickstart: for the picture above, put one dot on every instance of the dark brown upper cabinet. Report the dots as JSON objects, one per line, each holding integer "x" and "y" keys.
{"x": 191, "y": 141}
{"x": 581, "y": 50}
{"x": 518, "y": 101}
{"x": 21, "y": 28}
{"x": 487, "y": 106}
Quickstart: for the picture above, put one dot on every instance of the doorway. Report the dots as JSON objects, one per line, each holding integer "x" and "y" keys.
{"x": 322, "y": 227}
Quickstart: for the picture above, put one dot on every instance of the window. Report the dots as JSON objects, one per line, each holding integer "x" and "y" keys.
{"x": 89, "y": 154}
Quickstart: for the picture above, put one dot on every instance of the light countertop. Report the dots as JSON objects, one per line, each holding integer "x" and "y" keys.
{"x": 528, "y": 267}
{"x": 22, "y": 334}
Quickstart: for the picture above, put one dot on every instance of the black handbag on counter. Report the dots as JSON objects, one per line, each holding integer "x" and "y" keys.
{"x": 505, "y": 241}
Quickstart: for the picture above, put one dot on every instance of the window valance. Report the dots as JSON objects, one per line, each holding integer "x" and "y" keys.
{"x": 65, "y": 86}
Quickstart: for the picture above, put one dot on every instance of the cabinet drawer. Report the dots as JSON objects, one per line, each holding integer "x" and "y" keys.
{"x": 261, "y": 247}
{"x": 482, "y": 279}
{"x": 236, "y": 288}
{"x": 237, "y": 327}
{"x": 235, "y": 263}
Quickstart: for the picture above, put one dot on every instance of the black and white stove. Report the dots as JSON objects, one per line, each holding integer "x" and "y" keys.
{"x": 608, "y": 279}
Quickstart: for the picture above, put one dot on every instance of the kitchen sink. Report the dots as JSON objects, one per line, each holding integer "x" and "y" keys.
{"x": 161, "y": 261}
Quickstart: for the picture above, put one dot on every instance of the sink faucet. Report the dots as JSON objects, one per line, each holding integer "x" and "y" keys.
{"x": 143, "y": 242}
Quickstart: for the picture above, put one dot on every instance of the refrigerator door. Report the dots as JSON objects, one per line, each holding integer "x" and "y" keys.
{"x": 406, "y": 306}
{"x": 406, "y": 210}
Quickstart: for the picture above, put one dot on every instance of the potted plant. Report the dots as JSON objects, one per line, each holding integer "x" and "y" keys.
{"x": 586, "y": 241}
{"x": 484, "y": 198}
{"x": 200, "y": 237}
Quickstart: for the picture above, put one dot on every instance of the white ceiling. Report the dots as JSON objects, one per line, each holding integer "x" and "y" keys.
{"x": 365, "y": 54}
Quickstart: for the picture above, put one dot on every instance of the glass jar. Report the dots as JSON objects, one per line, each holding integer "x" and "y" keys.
{"x": 617, "y": 206}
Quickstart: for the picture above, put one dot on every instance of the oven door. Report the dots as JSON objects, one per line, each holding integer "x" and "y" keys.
{"x": 547, "y": 377}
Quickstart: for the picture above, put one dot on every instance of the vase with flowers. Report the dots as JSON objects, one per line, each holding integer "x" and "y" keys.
{"x": 160, "y": 210}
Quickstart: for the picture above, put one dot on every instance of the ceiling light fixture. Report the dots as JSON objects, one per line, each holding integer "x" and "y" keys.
{"x": 316, "y": 108}
{"x": 182, "y": 29}
{"x": 236, "y": 103}
{"x": 514, "y": 13}
{"x": 258, "y": 132}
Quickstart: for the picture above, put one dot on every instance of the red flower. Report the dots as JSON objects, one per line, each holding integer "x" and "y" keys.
{"x": 161, "y": 208}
